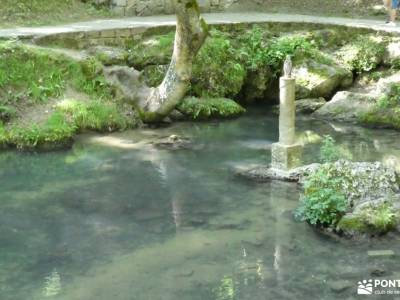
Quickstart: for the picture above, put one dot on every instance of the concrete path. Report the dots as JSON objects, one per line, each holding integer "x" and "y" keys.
{"x": 213, "y": 18}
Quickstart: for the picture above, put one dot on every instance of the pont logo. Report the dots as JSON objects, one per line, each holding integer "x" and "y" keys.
{"x": 365, "y": 287}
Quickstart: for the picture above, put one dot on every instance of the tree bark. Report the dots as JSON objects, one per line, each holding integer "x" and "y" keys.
{"x": 191, "y": 32}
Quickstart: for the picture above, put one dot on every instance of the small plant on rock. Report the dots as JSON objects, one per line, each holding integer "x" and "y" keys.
{"x": 323, "y": 202}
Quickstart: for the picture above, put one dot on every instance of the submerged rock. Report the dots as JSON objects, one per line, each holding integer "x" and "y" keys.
{"x": 173, "y": 142}
{"x": 266, "y": 173}
{"x": 340, "y": 285}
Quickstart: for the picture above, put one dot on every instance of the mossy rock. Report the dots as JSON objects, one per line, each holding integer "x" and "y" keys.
{"x": 208, "y": 108}
{"x": 373, "y": 218}
{"x": 352, "y": 225}
{"x": 319, "y": 79}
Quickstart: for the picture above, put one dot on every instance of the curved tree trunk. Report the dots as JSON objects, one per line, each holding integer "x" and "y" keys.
{"x": 191, "y": 32}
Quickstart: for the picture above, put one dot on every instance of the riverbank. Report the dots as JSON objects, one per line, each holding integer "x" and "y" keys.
{"x": 68, "y": 91}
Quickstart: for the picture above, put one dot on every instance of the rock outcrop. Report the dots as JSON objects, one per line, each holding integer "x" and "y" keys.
{"x": 315, "y": 79}
{"x": 371, "y": 190}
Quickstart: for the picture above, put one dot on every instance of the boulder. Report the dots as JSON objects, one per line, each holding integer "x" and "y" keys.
{"x": 315, "y": 79}
{"x": 348, "y": 106}
{"x": 392, "y": 53}
{"x": 371, "y": 190}
{"x": 308, "y": 106}
{"x": 372, "y": 193}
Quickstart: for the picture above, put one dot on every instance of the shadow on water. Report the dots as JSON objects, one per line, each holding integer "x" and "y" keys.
{"x": 117, "y": 218}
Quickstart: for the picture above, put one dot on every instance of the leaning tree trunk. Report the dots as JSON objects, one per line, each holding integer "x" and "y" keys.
{"x": 191, "y": 32}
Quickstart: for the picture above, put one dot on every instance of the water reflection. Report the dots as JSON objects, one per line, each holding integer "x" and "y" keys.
{"x": 116, "y": 218}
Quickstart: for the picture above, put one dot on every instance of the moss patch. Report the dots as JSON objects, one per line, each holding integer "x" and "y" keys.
{"x": 206, "y": 108}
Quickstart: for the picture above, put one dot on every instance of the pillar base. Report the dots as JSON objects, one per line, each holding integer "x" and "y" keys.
{"x": 286, "y": 157}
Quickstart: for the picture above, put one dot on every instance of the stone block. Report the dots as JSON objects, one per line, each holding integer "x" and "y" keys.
{"x": 286, "y": 157}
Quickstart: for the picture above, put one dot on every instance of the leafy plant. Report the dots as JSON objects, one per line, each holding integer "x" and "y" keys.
{"x": 258, "y": 51}
{"x": 217, "y": 70}
{"x": 323, "y": 203}
{"x": 363, "y": 55}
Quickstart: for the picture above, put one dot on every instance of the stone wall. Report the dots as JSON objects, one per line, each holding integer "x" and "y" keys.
{"x": 159, "y": 7}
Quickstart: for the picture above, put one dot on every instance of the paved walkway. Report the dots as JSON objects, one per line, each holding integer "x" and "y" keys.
{"x": 213, "y": 18}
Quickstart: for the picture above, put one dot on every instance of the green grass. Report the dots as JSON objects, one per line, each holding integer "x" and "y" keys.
{"x": 96, "y": 115}
{"x": 56, "y": 131}
{"x": 44, "y": 12}
{"x": 33, "y": 75}
{"x": 69, "y": 118}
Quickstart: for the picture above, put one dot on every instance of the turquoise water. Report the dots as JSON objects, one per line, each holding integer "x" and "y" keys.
{"x": 118, "y": 218}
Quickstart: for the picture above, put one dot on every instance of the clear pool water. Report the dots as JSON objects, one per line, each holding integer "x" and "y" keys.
{"x": 116, "y": 218}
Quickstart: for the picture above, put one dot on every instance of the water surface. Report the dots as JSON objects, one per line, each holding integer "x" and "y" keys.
{"x": 117, "y": 218}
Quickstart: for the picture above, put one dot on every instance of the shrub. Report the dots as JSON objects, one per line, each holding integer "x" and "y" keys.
{"x": 257, "y": 51}
{"x": 217, "y": 70}
{"x": 323, "y": 202}
{"x": 363, "y": 55}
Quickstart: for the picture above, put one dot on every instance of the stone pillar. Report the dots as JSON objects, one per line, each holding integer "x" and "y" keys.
{"x": 286, "y": 154}
{"x": 287, "y": 111}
